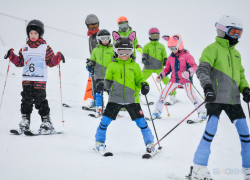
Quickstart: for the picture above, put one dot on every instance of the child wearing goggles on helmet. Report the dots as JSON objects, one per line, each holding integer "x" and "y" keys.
{"x": 124, "y": 80}
{"x": 125, "y": 30}
{"x": 99, "y": 60}
{"x": 222, "y": 77}
{"x": 183, "y": 67}
{"x": 34, "y": 57}
{"x": 154, "y": 58}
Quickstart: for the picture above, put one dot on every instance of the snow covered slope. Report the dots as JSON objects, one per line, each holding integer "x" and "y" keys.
{"x": 70, "y": 155}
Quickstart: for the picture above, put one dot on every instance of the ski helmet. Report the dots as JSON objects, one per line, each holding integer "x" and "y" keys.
{"x": 175, "y": 43}
{"x": 123, "y": 43}
{"x": 122, "y": 19}
{"x": 91, "y": 19}
{"x": 225, "y": 23}
{"x": 154, "y": 34}
{"x": 36, "y": 25}
{"x": 103, "y": 35}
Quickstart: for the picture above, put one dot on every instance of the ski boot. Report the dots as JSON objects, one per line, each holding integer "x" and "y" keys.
{"x": 46, "y": 126}
{"x": 199, "y": 172}
{"x": 246, "y": 173}
{"x": 98, "y": 112}
{"x": 156, "y": 114}
{"x": 173, "y": 99}
{"x": 150, "y": 153}
{"x": 25, "y": 123}
{"x": 202, "y": 116}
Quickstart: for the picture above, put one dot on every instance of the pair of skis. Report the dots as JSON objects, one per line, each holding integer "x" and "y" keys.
{"x": 30, "y": 133}
{"x": 188, "y": 121}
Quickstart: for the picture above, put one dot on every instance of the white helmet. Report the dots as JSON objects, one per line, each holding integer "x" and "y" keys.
{"x": 226, "y": 21}
{"x": 230, "y": 20}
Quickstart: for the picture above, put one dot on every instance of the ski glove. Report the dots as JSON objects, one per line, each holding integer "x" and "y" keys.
{"x": 159, "y": 78}
{"x": 185, "y": 74}
{"x": 144, "y": 88}
{"x": 139, "y": 48}
{"x": 210, "y": 95}
{"x": 60, "y": 57}
{"x": 100, "y": 86}
{"x": 246, "y": 94}
{"x": 165, "y": 61}
{"x": 9, "y": 54}
{"x": 90, "y": 66}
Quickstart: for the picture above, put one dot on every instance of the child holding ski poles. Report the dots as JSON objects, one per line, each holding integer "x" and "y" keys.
{"x": 222, "y": 77}
{"x": 92, "y": 23}
{"x": 124, "y": 80}
{"x": 34, "y": 57}
{"x": 100, "y": 58}
{"x": 182, "y": 66}
{"x": 154, "y": 58}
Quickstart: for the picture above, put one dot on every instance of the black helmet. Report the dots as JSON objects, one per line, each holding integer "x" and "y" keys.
{"x": 101, "y": 33}
{"x": 35, "y": 25}
{"x": 91, "y": 19}
{"x": 123, "y": 42}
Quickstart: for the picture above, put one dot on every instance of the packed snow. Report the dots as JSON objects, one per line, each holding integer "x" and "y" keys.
{"x": 70, "y": 155}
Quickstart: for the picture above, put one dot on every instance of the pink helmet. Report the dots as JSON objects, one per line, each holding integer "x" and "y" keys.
{"x": 174, "y": 42}
{"x": 153, "y": 31}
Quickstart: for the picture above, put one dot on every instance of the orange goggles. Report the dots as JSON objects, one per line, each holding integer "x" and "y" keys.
{"x": 93, "y": 26}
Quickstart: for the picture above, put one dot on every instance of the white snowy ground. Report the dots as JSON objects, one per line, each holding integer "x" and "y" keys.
{"x": 71, "y": 155}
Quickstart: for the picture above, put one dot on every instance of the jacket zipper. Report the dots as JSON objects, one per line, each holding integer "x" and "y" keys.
{"x": 216, "y": 86}
{"x": 102, "y": 62}
{"x": 124, "y": 83}
{"x": 232, "y": 78}
{"x": 155, "y": 57}
{"x": 228, "y": 61}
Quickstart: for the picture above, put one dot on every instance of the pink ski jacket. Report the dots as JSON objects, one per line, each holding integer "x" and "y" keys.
{"x": 177, "y": 64}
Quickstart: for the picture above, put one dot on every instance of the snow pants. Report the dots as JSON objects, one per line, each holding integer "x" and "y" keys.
{"x": 136, "y": 114}
{"x": 171, "y": 86}
{"x": 237, "y": 116}
{"x": 147, "y": 73}
{"x": 33, "y": 95}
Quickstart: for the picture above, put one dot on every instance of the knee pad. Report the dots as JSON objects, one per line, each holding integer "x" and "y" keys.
{"x": 141, "y": 123}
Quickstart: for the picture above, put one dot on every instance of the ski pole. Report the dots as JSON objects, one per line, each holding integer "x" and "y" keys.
{"x": 166, "y": 105}
{"x": 5, "y": 84}
{"x": 102, "y": 101}
{"x": 177, "y": 125}
{"x": 195, "y": 89}
{"x": 153, "y": 123}
{"x": 155, "y": 82}
{"x": 60, "y": 79}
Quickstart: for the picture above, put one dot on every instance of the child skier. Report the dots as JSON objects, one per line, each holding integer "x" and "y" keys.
{"x": 92, "y": 23}
{"x": 154, "y": 57}
{"x": 125, "y": 30}
{"x": 100, "y": 58}
{"x": 35, "y": 56}
{"x": 222, "y": 77}
{"x": 182, "y": 66}
{"x": 124, "y": 80}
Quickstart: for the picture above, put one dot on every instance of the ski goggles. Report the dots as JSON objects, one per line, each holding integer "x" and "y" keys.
{"x": 124, "y": 51}
{"x": 93, "y": 26}
{"x": 230, "y": 31}
{"x": 175, "y": 48}
{"x": 123, "y": 25}
{"x": 104, "y": 38}
{"x": 154, "y": 36}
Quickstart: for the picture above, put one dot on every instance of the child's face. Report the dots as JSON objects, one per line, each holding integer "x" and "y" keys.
{"x": 124, "y": 57}
{"x": 105, "y": 42}
{"x": 33, "y": 35}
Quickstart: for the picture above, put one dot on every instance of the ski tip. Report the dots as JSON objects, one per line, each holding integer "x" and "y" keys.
{"x": 66, "y": 105}
{"x": 160, "y": 148}
{"x": 108, "y": 154}
{"x": 146, "y": 156}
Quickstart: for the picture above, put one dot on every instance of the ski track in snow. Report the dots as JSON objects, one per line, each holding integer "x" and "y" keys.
{"x": 71, "y": 156}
